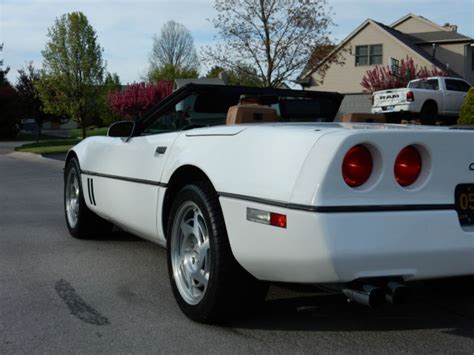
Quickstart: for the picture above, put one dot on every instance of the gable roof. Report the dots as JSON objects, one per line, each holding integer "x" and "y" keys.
{"x": 420, "y": 18}
{"x": 409, "y": 41}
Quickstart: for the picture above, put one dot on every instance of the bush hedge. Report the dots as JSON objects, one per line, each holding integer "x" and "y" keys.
{"x": 466, "y": 116}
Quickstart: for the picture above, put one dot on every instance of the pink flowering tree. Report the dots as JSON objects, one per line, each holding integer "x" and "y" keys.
{"x": 382, "y": 78}
{"x": 137, "y": 98}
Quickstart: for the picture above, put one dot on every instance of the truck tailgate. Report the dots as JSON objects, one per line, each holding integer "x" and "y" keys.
{"x": 389, "y": 97}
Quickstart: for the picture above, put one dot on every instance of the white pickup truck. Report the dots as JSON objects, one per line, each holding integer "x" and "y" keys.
{"x": 427, "y": 98}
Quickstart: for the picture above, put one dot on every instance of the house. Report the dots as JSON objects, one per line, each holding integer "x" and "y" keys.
{"x": 374, "y": 43}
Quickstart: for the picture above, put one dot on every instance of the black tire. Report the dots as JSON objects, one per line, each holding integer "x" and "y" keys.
{"x": 230, "y": 289}
{"x": 429, "y": 113}
{"x": 88, "y": 225}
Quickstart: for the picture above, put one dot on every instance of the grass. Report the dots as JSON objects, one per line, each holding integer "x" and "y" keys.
{"x": 53, "y": 146}
{"x": 56, "y": 145}
{"x": 77, "y": 133}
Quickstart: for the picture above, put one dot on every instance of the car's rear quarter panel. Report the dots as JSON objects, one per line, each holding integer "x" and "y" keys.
{"x": 446, "y": 156}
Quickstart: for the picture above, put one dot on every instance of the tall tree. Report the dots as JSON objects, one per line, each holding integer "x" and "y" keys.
{"x": 111, "y": 84}
{"x": 73, "y": 69}
{"x": 3, "y": 72}
{"x": 9, "y": 107}
{"x": 29, "y": 95}
{"x": 273, "y": 37}
{"x": 173, "y": 51}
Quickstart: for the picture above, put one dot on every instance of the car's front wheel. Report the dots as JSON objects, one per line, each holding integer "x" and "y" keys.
{"x": 81, "y": 222}
{"x": 208, "y": 283}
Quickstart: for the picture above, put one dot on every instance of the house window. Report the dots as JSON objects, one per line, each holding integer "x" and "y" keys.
{"x": 368, "y": 55}
{"x": 375, "y": 54}
{"x": 362, "y": 57}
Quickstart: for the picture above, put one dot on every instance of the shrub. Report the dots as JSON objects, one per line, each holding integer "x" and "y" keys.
{"x": 137, "y": 98}
{"x": 466, "y": 116}
{"x": 382, "y": 78}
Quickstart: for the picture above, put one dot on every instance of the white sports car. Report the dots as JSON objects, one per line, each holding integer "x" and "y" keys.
{"x": 247, "y": 186}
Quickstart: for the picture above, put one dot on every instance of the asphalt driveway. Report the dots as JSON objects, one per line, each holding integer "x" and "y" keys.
{"x": 61, "y": 295}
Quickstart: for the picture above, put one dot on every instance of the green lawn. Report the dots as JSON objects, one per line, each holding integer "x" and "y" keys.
{"x": 56, "y": 145}
{"x": 53, "y": 146}
{"x": 77, "y": 133}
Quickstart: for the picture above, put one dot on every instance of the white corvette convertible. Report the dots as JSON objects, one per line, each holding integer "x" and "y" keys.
{"x": 247, "y": 186}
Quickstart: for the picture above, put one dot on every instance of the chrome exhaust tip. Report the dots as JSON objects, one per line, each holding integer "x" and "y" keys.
{"x": 368, "y": 295}
{"x": 396, "y": 293}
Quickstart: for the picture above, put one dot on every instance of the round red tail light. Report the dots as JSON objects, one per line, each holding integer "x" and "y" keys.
{"x": 357, "y": 166}
{"x": 408, "y": 165}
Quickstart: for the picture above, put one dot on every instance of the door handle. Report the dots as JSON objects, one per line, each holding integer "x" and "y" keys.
{"x": 160, "y": 150}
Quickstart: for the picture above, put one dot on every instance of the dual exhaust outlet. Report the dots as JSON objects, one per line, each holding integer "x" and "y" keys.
{"x": 373, "y": 296}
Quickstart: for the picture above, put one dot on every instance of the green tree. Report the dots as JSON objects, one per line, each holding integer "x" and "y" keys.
{"x": 111, "y": 85}
{"x": 29, "y": 96}
{"x": 73, "y": 68}
{"x": 171, "y": 72}
{"x": 466, "y": 116}
{"x": 241, "y": 75}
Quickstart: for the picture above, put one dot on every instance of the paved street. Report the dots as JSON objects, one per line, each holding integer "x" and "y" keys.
{"x": 61, "y": 295}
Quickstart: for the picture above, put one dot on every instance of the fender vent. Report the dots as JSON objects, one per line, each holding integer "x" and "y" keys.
{"x": 90, "y": 189}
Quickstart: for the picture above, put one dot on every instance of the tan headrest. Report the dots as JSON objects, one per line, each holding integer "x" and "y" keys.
{"x": 251, "y": 113}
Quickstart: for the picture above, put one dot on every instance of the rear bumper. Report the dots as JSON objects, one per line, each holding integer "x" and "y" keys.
{"x": 342, "y": 247}
{"x": 408, "y": 107}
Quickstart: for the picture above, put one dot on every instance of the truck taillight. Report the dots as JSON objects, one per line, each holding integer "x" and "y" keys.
{"x": 357, "y": 166}
{"x": 408, "y": 165}
{"x": 410, "y": 96}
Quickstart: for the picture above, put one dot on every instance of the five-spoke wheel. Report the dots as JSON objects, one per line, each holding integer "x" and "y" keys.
{"x": 208, "y": 283}
{"x": 190, "y": 252}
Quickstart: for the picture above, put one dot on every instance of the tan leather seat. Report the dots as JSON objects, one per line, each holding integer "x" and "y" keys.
{"x": 250, "y": 113}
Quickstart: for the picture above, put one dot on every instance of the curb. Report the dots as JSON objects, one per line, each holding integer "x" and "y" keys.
{"x": 35, "y": 158}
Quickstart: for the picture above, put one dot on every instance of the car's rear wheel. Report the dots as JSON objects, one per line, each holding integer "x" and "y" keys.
{"x": 81, "y": 222}
{"x": 208, "y": 283}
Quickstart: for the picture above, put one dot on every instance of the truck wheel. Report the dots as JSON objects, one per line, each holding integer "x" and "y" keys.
{"x": 207, "y": 282}
{"x": 429, "y": 113}
{"x": 81, "y": 222}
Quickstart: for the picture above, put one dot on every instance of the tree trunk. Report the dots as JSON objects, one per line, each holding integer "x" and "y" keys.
{"x": 38, "y": 130}
{"x": 84, "y": 132}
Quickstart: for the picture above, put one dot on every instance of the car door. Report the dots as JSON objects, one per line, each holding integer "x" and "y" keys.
{"x": 125, "y": 175}
{"x": 456, "y": 91}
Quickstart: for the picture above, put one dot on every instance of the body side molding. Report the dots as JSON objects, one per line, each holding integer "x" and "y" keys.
{"x": 341, "y": 209}
{"x": 124, "y": 178}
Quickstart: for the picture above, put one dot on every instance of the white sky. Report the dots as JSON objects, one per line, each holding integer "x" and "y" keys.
{"x": 125, "y": 27}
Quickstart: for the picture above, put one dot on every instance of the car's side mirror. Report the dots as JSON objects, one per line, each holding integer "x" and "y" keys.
{"x": 122, "y": 129}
